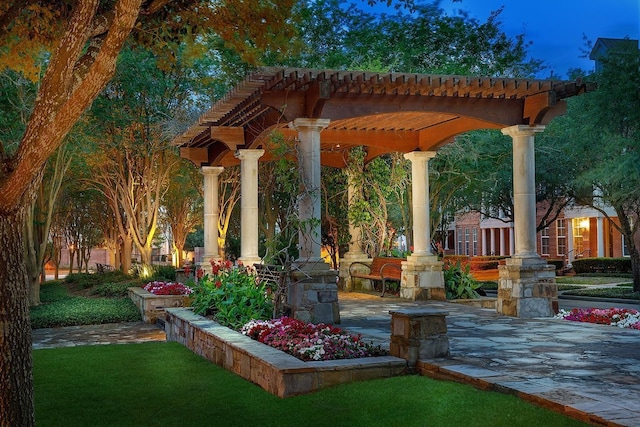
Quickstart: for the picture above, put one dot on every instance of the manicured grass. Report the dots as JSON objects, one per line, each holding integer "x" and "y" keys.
{"x": 615, "y": 292}
{"x": 589, "y": 280}
{"x": 164, "y": 384}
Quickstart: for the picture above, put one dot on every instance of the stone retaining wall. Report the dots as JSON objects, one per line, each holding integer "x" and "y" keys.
{"x": 275, "y": 371}
{"x": 152, "y": 306}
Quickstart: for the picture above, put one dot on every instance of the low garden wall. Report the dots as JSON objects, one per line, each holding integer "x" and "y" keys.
{"x": 275, "y": 371}
{"x": 153, "y": 306}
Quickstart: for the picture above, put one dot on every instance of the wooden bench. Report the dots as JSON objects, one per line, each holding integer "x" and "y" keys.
{"x": 278, "y": 275}
{"x": 103, "y": 268}
{"x": 381, "y": 269}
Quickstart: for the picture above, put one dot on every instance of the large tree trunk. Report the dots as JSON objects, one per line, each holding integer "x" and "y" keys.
{"x": 16, "y": 378}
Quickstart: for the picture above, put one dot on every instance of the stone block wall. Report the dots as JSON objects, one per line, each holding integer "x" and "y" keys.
{"x": 152, "y": 306}
{"x": 527, "y": 291}
{"x": 275, "y": 371}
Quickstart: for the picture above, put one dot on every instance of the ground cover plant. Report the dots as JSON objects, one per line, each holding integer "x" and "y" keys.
{"x": 59, "y": 308}
{"x": 165, "y": 384}
{"x": 308, "y": 341}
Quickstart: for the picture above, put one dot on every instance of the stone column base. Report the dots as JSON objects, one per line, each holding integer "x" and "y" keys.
{"x": 419, "y": 334}
{"x": 313, "y": 295}
{"x": 527, "y": 289}
{"x": 422, "y": 279}
{"x": 344, "y": 279}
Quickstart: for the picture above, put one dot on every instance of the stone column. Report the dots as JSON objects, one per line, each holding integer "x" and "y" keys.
{"x": 309, "y": 163}
{"x": 313, "y": 294}
{"x": 526, "y": 284}
{"x": 422, "y": 277}
{"x": 492, "y": 238}
{"x": 600, "y": 231}
{"x": 355, "y": 253}
{"x": 211, "y": 216}
{"x": 249, "y": 205}
{"x": 503, "y": 249}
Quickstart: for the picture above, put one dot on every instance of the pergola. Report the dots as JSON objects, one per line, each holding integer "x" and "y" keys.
{"x": 329, "y": 112}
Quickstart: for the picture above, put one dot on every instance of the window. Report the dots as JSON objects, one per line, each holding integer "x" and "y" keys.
{"x": 625, "y": 248}
{"x": 544, "y": 241}
{"x": 561, "y": 236}
{"x": 460, "y": 242}
{"x": 580, "y": 236}
{"x": 466, "y": 242}
{"x": 475, "y": 241}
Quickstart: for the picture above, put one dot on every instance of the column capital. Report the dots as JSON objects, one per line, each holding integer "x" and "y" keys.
{"x": 420, "y": 155}
{"x": 302, "y": 124}
{"x": 248, "y": 154}
{"x": 211, "y": 170}
{"x": 522, "y": 130}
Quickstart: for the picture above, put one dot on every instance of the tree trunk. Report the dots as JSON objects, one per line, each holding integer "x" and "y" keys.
{"x": 16, "y": 364}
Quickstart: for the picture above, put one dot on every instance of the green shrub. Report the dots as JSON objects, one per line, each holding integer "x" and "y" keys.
{"x": 558, "y": 263}
{"x": 459, "y": 283}
{"x": 83, "y": 311}
{"x": 165, "y": 272}
{"x": 84, "y": 280}
{"x": 112, "y": 290}
{"x": 602, "y": 265}
{"x": 232, "y": 296}
{"x": 53, "y": 291}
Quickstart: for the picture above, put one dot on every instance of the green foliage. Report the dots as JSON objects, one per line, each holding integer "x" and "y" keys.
{"x": 614, "y": 292}
{"x": 53, "y": 291}
{"x": 459, "y": 283}
{"x": 112, "y": 290}
{"x": 232, "y": 296}
{"x": 557, "y": 263}
{"x": 83, "y": 280}
{"x": 602, "y": 265}
{"x": 83, "y": 311}
{"x": 166, "y": 272}
{"x": 58, "y": 308}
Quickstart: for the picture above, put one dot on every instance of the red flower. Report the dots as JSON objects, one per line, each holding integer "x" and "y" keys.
{"x": 187, "y": 270}
{"x": 199, "y": 273}
{"x": 218, "y": 283}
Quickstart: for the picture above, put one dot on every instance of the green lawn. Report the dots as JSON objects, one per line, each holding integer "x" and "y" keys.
{"x": 164, "y": 384}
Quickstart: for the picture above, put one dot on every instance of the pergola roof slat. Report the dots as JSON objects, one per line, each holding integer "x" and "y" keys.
{"x": 360, "y": 101}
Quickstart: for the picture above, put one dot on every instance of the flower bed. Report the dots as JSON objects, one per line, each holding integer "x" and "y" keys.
{"x": 275, "y": 371}
{"x": 167, "y": 288}
{"x": 621, "y": 317}
{"x": 152, "y": 305}
{"x": 308, "y": 341}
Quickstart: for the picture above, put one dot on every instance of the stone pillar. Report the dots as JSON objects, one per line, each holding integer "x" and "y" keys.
{"x": 313, "y": 294}
{"x": 419, "y": 334}
{"x": 503, "y": 248}
{"x": 309, "y": 163}
{"x": 526, "y": 284}
{"x": 422, "y": 277}
{"x": 355, "y": 253}
{"x": 600, "y": 231}
{"x": 249, "y": 205}
{"x": 211, "y": 216}
{"x": 493, "y": 241}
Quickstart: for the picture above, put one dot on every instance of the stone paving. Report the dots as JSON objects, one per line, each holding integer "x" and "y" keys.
{"x": 584, "y": 370}
{"x": 591, "y": 372}
{"x": 112, "y": 333}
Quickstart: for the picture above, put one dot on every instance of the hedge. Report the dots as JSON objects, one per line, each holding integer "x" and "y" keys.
{"x": 602, "y": 265}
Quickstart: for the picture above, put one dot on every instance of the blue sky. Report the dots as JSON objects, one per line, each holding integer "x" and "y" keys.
{"x": 556, "y": 27}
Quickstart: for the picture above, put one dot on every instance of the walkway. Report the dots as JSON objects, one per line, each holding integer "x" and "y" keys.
{"x": 589, "y": 371}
